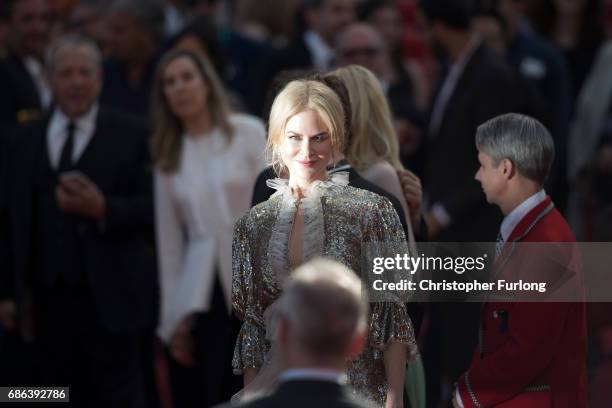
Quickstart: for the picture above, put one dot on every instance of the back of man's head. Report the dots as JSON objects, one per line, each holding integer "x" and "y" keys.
{"x": 328, "y": 17}
{"x": 521, "y": 139}
{"x": 29, "y": 26}
{"x": 455, "y": 14}
{"x": 324, "y": 307}
{"x": 148, "y": 14}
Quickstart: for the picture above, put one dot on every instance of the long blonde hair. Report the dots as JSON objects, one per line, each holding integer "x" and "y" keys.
{"x": 373, "y": 135}
{"x": 298, "y": 96}
{"x": 167, "y": 128}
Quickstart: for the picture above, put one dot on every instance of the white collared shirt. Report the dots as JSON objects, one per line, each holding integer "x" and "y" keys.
{"x": 311, "y": 373}
{"x": 35, "y": 70}
{"x": 515, "y": 216}
{"x": 57, "y": 133}
{"x": 322, "y": 54}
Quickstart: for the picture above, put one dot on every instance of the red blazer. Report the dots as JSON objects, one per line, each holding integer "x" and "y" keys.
{"x": 530, "y": 355}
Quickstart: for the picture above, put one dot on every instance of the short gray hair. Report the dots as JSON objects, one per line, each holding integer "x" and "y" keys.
{"x": 148, "y": 13}
{"x": 521, "y": 139}
{"x": 72, "y": 41}
{"x": 324, "y": 304}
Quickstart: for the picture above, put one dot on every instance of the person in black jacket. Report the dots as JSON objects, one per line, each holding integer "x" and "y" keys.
{"x": 25, "y": 92}
{"x": 80, "y": 231}
{"x": 311, "y": 49}
{"x": 322, "y": 323}
{"x": 479, "y": 85}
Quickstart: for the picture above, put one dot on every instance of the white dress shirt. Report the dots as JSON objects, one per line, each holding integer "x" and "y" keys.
{"x": 321, "y": 53}
{"x": 311, "y": 373}
{"x": 35, "y": 70}
{"x": 515, "y": 216}
{"x": 57, "y": 133}
{"x": 196, "y": 208}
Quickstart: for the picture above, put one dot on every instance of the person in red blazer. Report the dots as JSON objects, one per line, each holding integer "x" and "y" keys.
{"x": 530, "y": 355}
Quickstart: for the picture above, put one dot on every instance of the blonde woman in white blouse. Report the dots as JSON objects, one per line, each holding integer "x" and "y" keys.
{"x": 206, "y": 160}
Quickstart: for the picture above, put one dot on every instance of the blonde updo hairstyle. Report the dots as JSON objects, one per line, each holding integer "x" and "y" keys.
{"x": 298, "y": 96}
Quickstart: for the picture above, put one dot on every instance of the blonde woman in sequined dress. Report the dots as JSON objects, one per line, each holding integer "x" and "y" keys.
{"x": 312, "y": 215}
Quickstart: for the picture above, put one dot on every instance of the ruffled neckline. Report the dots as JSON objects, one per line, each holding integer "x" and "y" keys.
{"x": 281, "y": 185}
{"x": 314, "y": 227}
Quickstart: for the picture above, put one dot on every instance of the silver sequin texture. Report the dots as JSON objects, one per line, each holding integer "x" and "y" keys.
{"x": 352, "y": 218}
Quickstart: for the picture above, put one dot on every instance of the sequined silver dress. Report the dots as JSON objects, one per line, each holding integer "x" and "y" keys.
{"x": 338, "y": 221}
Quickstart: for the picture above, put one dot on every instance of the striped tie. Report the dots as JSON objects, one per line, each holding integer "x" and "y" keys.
{"x": 499, "y": 243}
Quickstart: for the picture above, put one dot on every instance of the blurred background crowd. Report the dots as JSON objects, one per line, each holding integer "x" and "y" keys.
{"x": 551, "y": 59}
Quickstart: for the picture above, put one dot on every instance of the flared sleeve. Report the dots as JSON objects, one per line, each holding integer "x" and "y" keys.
{"x": 384, "y": 237}
{"x": 251, "y": 345}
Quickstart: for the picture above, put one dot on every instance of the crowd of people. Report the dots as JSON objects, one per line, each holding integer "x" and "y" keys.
{"x": 165, "y": 165}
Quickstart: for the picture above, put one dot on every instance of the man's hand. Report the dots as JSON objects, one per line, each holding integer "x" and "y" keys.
{"x": 77, "y": 194}
{"x": 413, "y": 193}
{"x": 8, "y": 313}
{"x": 603, "y": 160}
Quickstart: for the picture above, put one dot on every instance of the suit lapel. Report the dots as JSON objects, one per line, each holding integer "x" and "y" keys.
{"x": 465, "y": 81}
{"x": 20, "y": 73}
{"x": 529, "y": 220}
{"x": 303, "y": 53}
{"x": 95, "y": 148}
{"x": 524, "y": 226}
{"x": 30, "y": 156}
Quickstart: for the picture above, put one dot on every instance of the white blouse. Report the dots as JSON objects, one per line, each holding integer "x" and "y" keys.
{"x": 196, "y": 208}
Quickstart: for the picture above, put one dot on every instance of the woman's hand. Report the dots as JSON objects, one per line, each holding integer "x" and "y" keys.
{"x": 392, "y": 402}
{"x": 395, "y": 357}
{"x": 182, "y": 344}
{"x": 248, "y": 374}
{"x": 413, "y": 193}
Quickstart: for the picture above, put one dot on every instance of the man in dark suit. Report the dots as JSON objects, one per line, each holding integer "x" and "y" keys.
{"x": 135, "y": 35}
{"x": 310, "y": 49}
{"x": 23, "y": 97}
{"x": 25, "y": 92}
{"x": 478, "y": 86}
{"x": 322, "y": 323}
{"x": 80, "y": 225}
{"x": 530, "y": 355}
